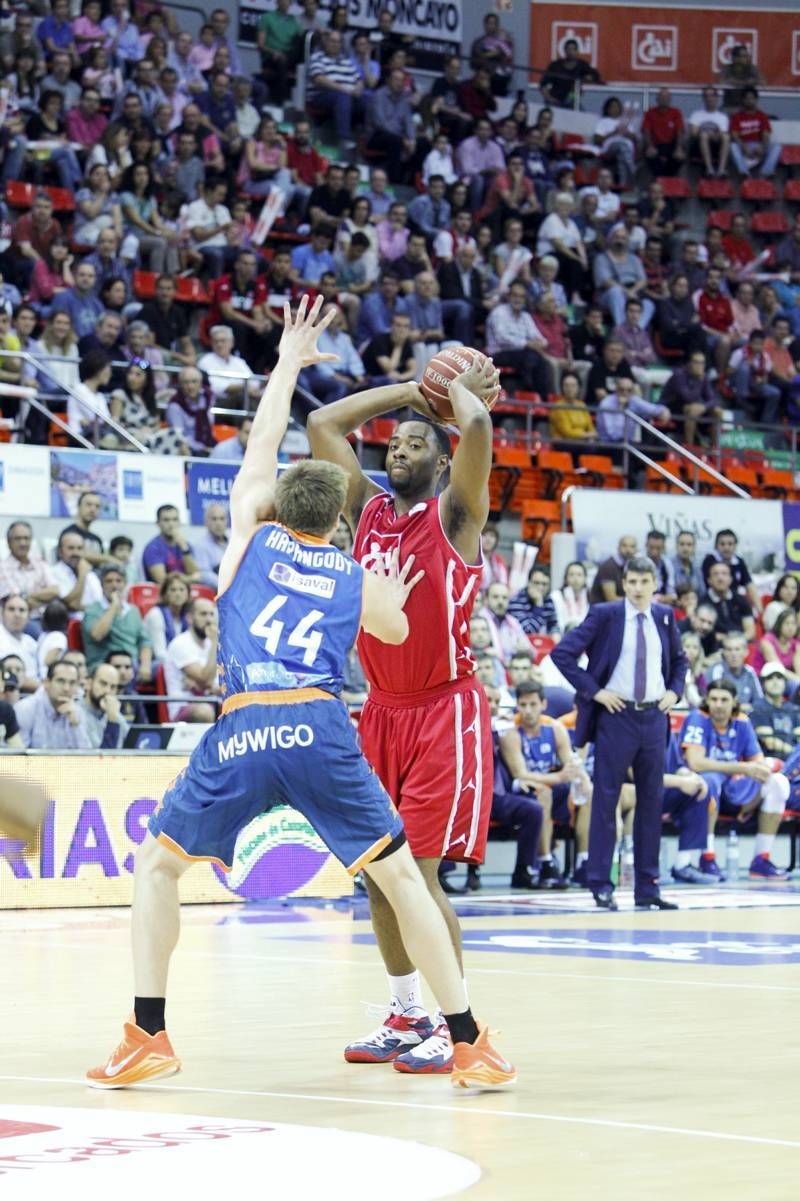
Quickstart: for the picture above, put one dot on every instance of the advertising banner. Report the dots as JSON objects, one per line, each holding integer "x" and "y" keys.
{"x": 207, "y": 482}
{"x": 435, "y": 25}
{"x": 98, "y": 817}
{"x": 146, "y": 481}
{"x": 599, "y": 519}
{"x": 791, "y": 537}
{"x": 667, "y": 44}
{"x": 75, "y": 471}
{"x": 24, "y": 480}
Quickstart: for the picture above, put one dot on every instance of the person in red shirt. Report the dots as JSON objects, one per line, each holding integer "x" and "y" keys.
{"x": 664, "y": 136}
{"x": 716, "y": 317}
{"x": 240, "y": 301}
{"x": 305, "y": 163}
{"x": 31, "y": 238}
{"x": 752, "y": 150}
{"x": 475, "y": 95}
{"x": 736, "y": 245}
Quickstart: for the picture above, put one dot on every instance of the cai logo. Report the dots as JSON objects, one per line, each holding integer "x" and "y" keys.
{"x": 133, "y": 485}
{"x": 796, "y": 52}
{"x": 723, "y": 41}
{"x": 583, "y": 32}
{"x": 654, "y": 48}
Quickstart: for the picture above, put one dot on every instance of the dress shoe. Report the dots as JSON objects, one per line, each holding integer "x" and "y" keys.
{"x": 524, "y": 878}
{"x": 604, "y": 899}
{"x": 449, "y": 888}
{"x": 550, "y": 876}
{"x": 654, "y": 903}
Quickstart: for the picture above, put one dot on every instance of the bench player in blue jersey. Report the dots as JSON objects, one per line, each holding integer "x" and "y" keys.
{"x": 290, "y": 607}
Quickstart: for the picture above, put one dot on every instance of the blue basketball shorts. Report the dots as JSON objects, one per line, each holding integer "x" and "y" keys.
{"x": 731, "y": 792}
{"x": 262, "y": 753}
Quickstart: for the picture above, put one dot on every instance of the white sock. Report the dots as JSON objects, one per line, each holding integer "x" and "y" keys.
{"x": 710, "y": 844}
{"x": 406, "y": 993}
{"x": 545, "y": 858}
{"x": 683, "y": 858}
{"x": 627, "y": 842}
{"x": 581, "y": 857}
{"x": 764, "y": 844}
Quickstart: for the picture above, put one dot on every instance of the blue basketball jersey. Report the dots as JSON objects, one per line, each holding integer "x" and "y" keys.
{"x": 735, "y": 744}
{"x": 539, "y": 750}
{"x": 290, "y": 615}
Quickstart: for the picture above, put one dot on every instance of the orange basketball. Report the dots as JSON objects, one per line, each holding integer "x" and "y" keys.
{"x": 443, "y": 368}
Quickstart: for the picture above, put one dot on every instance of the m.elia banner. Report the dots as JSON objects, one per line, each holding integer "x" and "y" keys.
{"x": 98, "y": 817}
{"x": 667, "y": 44}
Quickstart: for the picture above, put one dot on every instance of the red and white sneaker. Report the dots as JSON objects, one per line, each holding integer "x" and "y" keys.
{"x": 434, "y": 1056}
{"x": 395, "y": 1035}
{"x": 478, "y": 1067}
{"x": 139, "y": 1058}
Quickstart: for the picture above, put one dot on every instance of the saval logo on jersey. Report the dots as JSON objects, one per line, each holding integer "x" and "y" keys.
{"x": 654, "y": 47}
{"x": 723, "y": 41}
{"x": 310, "y": 585}
{"x": 583, "y": 32}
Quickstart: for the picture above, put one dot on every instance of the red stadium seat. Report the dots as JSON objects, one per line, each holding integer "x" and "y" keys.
{"x": 19, "y": 195}
{"x": 63, "y": 200}
{"x": 721, "y": 217}
{"x": 715, "y": 189}
{"x": 790, "y": 156}
{"x": 144, "y": 285}
{"x": 773, "y": 221}
{"x": 162, "y": 708}
{"x": 761, "y": 190}
{"x": 675, "y": 187}
{"x": 144, "y": 596}
{"x": 190, "y": 290}
{"x": 75, "y": 634}
{"x": 542, "y": 645}
{"x": 202, "y": 592}
{"x": 791, "y": 191}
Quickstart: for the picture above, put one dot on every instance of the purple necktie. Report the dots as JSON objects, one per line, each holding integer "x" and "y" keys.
{"x": 640, "y": 666}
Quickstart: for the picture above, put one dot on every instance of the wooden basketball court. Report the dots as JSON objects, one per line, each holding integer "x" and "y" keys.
{"x": 657, "y": 1055}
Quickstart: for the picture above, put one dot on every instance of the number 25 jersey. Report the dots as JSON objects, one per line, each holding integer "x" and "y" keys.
{"x": 290, "y": 614}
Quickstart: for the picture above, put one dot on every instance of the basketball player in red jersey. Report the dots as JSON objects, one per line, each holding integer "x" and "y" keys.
{"x": 425, "y": 727}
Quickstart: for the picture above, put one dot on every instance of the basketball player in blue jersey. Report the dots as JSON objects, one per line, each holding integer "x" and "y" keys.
{"x": 290, "y": 607}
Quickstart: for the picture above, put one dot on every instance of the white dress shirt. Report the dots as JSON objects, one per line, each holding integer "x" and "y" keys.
{"x": 622, "y": 677}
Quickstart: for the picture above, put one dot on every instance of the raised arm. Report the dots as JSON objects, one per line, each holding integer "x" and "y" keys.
{"x": 252, "y": 494}
{"x": 329, "y": 426}
{"x": 465, "y": 500}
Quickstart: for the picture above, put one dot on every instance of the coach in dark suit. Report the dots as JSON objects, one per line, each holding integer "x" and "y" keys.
{"x": 635, "y": 674}
{"x": 461, "y": 295}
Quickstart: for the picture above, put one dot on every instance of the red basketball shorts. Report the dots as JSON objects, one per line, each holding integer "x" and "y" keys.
{"x": 432, "y": 751}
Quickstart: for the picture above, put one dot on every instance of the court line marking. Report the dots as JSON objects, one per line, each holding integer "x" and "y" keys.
{"x": 466, "y": 1108}
{"x": 483, "y": 971}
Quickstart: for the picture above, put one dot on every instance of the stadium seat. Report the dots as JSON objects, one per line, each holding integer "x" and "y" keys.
{"x": 542, "y": 645}
{"x": 791, "y": 191}
{"x": 512, "y": 456}
{"x": 378, "y": 431}
{"x": 190, "y": 290}
{"x": 715, "y": 189}
{"x": 773, "y": 221}
{"x": 223, "y": 432}
{"x": 144, "y": 596}
{"x": 63, "y": 200}
{"x": 761, "y": 190}
{"x": 525, "y": 487}
{"x": 601, "y": 471}
{"x": 75, "y": 634}
{"x": 19, "y": 195}
{"x": 721, "y": 217}
{"x": 790, "y": 156}
{"x": 202, "y": 592}
{"x": 540, "y": 519}
{"x": 144, "y": 285}
{"x": 777, "y": 484}
{"x": 675, "y": 187}
{"x": 656, "y": 482}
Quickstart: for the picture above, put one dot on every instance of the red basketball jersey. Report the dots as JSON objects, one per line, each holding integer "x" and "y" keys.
{"x": 437, "y": 649}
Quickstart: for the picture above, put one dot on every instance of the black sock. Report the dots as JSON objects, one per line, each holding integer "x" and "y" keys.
{"x": 149, "y": 1013}
{"x": 462, "y": 1026}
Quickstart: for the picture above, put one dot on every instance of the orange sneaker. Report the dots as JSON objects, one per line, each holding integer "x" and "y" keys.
{"x": 138, "y": 1058}
{"x": 478, "y": 1066}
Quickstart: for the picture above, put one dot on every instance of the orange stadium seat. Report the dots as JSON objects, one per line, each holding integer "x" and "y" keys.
{"x": 223, "y": 432}
{"x": 540, "y": 520}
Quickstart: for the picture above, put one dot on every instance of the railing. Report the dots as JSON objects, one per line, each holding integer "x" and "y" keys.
{"x": 684, "y": 453}
{"x": 781, "y": 103}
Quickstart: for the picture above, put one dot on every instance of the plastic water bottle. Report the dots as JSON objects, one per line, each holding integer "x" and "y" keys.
{"x": 732, "y": 857}
{"x": 626, "y": 867}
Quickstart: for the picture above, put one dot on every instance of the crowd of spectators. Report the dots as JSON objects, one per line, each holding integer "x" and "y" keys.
{"x": 468, "y": 224}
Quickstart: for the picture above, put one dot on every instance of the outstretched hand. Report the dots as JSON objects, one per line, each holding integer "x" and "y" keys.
{"x": 398, "y": 579}
{"x": 300, "y": 333}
